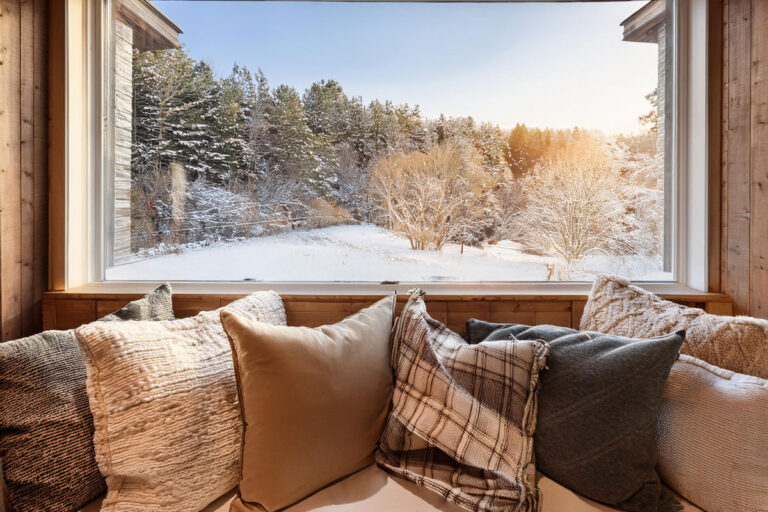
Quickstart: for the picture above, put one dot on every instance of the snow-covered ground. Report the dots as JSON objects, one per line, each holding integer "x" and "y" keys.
{"x": 362, "y": 253}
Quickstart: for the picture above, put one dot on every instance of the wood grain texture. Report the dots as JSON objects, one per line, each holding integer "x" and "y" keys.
{"x": 744, "y": 156}
{"x": 723, "y": 282}
{"x": 40, "y": 162}
{"x": 738, "y": 162}
{"x": 758, "y": 279}
{"x": 26, "y": 164}
{"x": 68, "y": 310}
{"x": 10, "y": 169}
{"x": 715, "y": 144}
{"x": 23, "y": 160}
{"x": 56, "y": 146}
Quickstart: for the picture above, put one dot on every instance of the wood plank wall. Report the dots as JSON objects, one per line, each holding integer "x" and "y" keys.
{"x": 69, "y": 310}
{"x": 23, "y": 165}
{"x": 744, "y": 150}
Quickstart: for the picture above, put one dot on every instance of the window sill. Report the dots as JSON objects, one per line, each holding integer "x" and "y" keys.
{"x": 521, "y": 291}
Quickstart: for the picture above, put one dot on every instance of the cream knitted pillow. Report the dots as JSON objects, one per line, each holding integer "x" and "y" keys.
{"x": 736, "y": 343}
{"x": 164, "y": 403}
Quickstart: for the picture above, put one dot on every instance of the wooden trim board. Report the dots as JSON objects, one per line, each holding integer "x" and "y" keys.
{"x": 64, "y": 310}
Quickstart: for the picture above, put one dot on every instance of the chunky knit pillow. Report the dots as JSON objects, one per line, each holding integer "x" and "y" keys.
{"x": 736, "y": 343}
{"x": 165, "y": 407}
{"x": 46, "y": 427}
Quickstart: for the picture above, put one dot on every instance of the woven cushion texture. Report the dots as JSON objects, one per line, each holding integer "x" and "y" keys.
{"x": 165, "y": 409}
{"x": 314, "y": 402}
{"x": 739, "y": 344}
{"x": 598, "y": 405}
{"x": 712, "y": 435}
{"x": 46, "y": 427}
{"x": 155, "y": 306}
{"x": 463, "y": 416}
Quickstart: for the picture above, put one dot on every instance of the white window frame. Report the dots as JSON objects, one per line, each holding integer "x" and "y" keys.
{"x": 88, "y": 124}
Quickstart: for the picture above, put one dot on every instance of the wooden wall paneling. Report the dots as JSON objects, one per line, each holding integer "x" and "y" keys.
{"x": 190, "y": 305}
{"x": 511, "y": 312}
{"x": 10, "y": 160}
{"x": 71, "y": 313}
{"x": 714, "y": 140}
{"x": 23, "y": 173}
{"x": 318, "y": 310}
{"x": 744, "y": 172}
{"x": 758, "y": 279}
{"x": 577, "y": 310}
{"x": 739, "y": 154}
{"x": 49, "y": 315}
{"x": 561, "y": 318}
{"x": 40, "y": 159}
{"x": 26, "y": 164}
{"x": 457, "y": 314}
{"x": 436, "y": 306}
{"x": 719, "y": 308}
{"x": 57, "y": 145}
{"x": 724, "y": 152}
{"x": 66, "y": 311}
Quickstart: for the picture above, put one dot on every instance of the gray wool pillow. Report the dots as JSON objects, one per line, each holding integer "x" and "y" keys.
{"x": 46, "y": 426}
{"x": 598, "y": 405}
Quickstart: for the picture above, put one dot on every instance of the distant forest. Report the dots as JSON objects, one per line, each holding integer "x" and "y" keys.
{"x": 259, "y": 160}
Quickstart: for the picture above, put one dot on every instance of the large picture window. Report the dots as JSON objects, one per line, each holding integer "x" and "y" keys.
{"x": 405, "y": 142}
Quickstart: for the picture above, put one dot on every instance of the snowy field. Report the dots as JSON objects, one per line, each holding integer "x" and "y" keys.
{"x": 363, "y": 253}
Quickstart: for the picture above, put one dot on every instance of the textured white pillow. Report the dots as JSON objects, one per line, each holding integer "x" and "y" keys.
{"x": 165, "y": 409}
{"x": 712, "y": 436}
{"x": 737, "y": 343}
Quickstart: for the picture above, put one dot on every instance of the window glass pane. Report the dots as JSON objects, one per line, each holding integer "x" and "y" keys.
{"x": 322, "y": 141}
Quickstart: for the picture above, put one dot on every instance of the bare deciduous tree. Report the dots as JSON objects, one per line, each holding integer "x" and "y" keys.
{"x": 574, "y": 203}
{"x": 431, "y": 198}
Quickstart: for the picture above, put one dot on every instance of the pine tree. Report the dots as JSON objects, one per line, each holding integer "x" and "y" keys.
{"x": 234, "y": 124}
{"x": 175, "y": 102}
{"x": 301, "y": 155}
{"x": 327, "y": 109}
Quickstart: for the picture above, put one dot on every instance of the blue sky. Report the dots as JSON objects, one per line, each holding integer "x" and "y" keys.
{"x": 544, "y": 64}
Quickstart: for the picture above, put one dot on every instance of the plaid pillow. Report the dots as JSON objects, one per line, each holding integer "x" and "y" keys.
{"x": 463, "y": 416}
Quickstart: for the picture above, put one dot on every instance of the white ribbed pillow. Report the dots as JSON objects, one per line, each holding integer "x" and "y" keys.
{"x": 164, "y": 403}
{"x": 712, "y": 437}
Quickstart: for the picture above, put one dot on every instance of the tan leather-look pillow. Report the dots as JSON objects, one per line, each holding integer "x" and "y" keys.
{"x": 712, "y": 437}
{"x": 736, "y": 343}
{"x": 313, "y": 402}
{"x": 165, "y": 410}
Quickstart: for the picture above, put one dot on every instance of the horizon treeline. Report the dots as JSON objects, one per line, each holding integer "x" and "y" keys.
{"x": 259, "y": 159}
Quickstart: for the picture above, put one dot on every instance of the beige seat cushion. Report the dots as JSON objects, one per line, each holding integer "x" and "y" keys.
{"x": 373, "y": 490}
{"x": 556, "y": 498}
